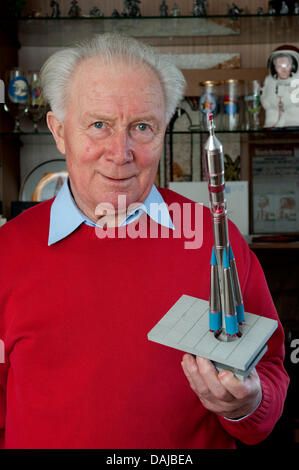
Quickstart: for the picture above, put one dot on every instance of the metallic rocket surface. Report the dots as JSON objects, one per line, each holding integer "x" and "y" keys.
{"x": 215, "y": 313}
{"x": 226, "y": 275}
{"x": 236, "y": 283}
{"x": 231, "y": 319}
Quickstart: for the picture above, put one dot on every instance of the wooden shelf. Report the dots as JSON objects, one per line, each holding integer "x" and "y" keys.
{"x": 274, "y": 246}
{"x": 187, "y": 30}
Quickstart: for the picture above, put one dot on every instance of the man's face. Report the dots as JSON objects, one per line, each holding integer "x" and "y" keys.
{"x": 113, "y": 133}
{"x": 283, "y": 67}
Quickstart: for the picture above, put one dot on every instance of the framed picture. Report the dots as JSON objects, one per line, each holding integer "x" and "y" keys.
{"x": 274, "y": 204}
{"x": 236, "y": 195}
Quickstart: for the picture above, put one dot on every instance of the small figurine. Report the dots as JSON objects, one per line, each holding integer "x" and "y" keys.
{"x": 126, "y": 10}
{"x": 199, "y": 8}
{"x": 55, "y": 9}
{"x": 260, "y": 11}
{"x": 195, "y": 11}
{"x": 234, "y": 10}
{"x": 296, "y": 8}
{"x": 271, "y": 8}
{"x": 163, "y": 9}
{"x": 75, "y": 10}
{"x": 115, "y": 13}
{"x": 284, "y": 10}
{"x": 281, "y": 110}
{"x": 131, "y": 8}
{"x": 135, "y": 8}
{"x": 95, "y": 11}
{"x": 34, "y": 14}
{"x": 175, "y": 11}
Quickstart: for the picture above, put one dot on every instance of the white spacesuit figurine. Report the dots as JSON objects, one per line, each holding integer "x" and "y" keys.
{"x": 279, "y": 95}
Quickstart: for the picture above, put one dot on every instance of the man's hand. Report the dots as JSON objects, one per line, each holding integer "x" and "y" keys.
{"x": 221, "y": 392}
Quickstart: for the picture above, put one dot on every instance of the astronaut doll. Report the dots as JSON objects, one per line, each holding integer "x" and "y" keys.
{"x": 279, "y": 95}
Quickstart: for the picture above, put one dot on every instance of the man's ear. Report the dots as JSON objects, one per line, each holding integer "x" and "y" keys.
{"x": 57, "y": 129}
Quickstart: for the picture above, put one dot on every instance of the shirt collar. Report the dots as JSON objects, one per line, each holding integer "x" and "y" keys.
{"x": 66, "y": 217}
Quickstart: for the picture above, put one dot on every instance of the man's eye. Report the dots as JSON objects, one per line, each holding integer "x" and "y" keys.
{"x": 99, "y": 124}
{"x": 142, "y": 127}
{"x": 142, "y": 132}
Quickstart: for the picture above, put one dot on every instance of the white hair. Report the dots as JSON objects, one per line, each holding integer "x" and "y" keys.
{"x": 109, "y": 47}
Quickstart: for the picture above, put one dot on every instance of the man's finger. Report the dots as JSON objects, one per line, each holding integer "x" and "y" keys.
{"x": 187, "y": 374}
{"x": 238, "y": 388}
{"x": 191, "y": 370}
{"x": 209, "y": 375}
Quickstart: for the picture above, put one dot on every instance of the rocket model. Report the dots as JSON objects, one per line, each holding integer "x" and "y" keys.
{"x": 184, "y": 326}
{"x": 226, "y": 310}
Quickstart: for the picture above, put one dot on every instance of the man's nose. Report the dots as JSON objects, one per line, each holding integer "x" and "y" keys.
{"x": 121, "y": 148}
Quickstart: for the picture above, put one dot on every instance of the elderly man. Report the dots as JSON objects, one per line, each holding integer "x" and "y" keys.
{"x": 76, "y": 303}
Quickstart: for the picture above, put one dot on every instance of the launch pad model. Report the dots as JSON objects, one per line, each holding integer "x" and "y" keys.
{"x": 218, "y": 330}
{"x": 186, "y": 327}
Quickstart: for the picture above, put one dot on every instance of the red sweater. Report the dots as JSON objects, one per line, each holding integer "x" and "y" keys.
{"x": 79, "y": 370}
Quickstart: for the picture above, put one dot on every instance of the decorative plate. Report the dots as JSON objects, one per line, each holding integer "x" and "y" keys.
{"x": 44, "y": 181}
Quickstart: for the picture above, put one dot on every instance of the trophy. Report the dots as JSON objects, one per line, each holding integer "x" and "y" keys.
{"x": 16, "y": 98}
{"x": 36, "y": 104}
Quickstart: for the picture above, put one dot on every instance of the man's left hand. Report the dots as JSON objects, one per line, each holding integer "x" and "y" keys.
{"x": 221, "y": 392}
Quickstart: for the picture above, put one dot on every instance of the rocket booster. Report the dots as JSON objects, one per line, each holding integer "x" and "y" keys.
{"x": 224, "y": 279}
{"x": 231, "y": 319}
{"x": 215, "y": 314}
{"x": 236, "y": 283}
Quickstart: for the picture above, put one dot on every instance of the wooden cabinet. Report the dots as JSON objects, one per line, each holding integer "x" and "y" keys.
{"x": 9, "y": 147}
{"x": 27, "y": 42}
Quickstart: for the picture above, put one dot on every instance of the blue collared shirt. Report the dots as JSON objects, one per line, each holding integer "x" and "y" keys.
{"x": 66, "y": 216}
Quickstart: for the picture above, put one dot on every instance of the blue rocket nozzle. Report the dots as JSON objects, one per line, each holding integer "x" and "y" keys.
{"x": 226, "y": 264}
{"x": 215, "y": 321}
{"x": 230, "y": 253}
{"x": 231, "y": 325}
{"x": 240, "y": 313}
{"x": 213, "y": 258}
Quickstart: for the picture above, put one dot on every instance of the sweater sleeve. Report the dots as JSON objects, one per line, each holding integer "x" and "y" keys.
{"x": 7, "y": 272}
{"x": 274, "y": 379}
{"x": 4, "y": 366}
{"x": 3, "y": 378}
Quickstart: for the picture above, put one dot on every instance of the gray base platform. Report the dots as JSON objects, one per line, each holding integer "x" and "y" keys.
{"x": 186, "y": 327}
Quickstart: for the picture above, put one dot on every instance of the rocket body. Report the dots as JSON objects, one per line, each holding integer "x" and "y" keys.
{"x": 224, "y": 279}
